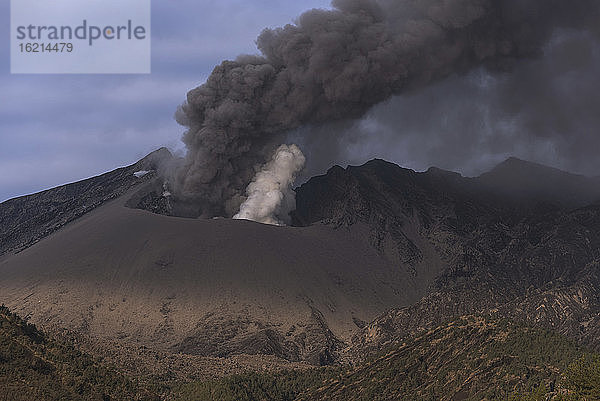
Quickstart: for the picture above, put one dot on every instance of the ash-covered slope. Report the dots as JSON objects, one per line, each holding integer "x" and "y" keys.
{"x": 397, "y": 205}
{"x": 510, "y": 242}
{"x": 415, "y": 249}
{"x": 215, "y": 287}
{"x": 27, "y": 219}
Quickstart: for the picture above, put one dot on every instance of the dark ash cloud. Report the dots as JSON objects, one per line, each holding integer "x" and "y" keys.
{"x": 544, "y": 110}
{"x": 334, "y": 65}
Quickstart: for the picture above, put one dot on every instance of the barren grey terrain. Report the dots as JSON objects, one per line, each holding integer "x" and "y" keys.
{"x": 214, "y": 287}
{"x": 377, "y": 253}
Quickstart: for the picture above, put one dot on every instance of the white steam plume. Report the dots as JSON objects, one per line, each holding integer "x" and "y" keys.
{"x": 270, "y": 191}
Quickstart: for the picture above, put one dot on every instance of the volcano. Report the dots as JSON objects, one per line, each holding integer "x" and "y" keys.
{"x": 376, "y": 252}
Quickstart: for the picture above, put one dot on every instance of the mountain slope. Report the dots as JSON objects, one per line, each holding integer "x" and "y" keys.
{"x": 531, "y": 258}
{"x": 525, "y": 180}
{"x": 211, "y": 288}
{"x": 27, "y": 219}
{"x": 378, "y": 254}
{"x": 34, "y": 366}
{"x": 470, "y": 358}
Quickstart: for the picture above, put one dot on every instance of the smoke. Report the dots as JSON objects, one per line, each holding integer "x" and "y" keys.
{"x": 334, "y": 65}
{"x": 270, "y": 194}
{"x": 544, "y": 110}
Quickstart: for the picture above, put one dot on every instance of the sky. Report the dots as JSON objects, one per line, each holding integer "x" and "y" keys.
{"x": 60, "y": 128}
{"x": 56, "y": 129}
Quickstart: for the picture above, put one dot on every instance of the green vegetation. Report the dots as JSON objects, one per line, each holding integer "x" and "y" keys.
{"x": 583, "y": 377}
{"x": 471, "y": 358}
{"x": 281, "y": 386}
{"x": 34, "y": 366}
{"x": 580, "y": 382}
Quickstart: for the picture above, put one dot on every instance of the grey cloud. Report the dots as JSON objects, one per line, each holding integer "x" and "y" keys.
{"x": 334, "y": 65}
{"x": 47, "y": 121}
{"x": 544, "y": 110}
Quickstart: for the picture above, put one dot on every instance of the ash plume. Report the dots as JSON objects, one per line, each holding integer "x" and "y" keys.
{"x": 333, "y": 65}
{"x": 270, "y": 195}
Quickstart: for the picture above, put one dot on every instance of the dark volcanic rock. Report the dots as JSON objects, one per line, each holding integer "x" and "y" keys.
{"x": 512, "y": 242}
{"x": 223, "y": 337}
{"x": 27, "y": 219}
{"x": 156, "y": 197}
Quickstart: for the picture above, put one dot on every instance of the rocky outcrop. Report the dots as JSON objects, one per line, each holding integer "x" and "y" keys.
{"x": 222, "y": 336}
{"x": 521, "y": 249}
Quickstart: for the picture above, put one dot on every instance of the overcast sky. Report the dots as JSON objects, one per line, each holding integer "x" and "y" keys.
{"x": 56, "y": 129}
